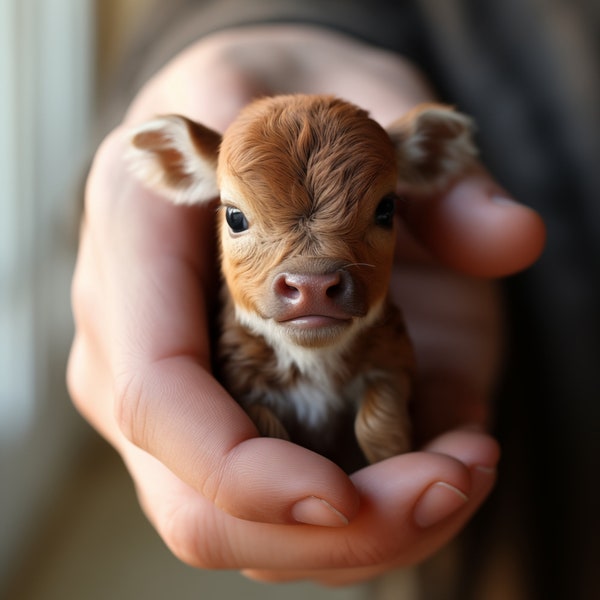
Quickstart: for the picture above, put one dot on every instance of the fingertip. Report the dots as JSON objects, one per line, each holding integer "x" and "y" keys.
{"x": 274, "y": 481}
{"x": 478, "y": 229}
{"x": 473, "y": 448}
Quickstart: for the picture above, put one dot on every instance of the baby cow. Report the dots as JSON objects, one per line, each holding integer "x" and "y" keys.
{"x": 310, "y": 344}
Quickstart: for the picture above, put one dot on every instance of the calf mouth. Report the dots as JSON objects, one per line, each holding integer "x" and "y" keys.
{"x": 316, "y": 321}
{"x": 315, "y": 331}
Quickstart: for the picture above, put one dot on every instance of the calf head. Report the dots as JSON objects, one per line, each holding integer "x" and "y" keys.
{"x": 307, "y": 187}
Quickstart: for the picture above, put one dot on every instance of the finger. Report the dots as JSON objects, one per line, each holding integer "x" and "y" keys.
{"x": 470, "y": 447}
{"x": 483, "y": 481}
{"x": 88, "y": 386}
{"x": 476, "y": 228}
{"x": 181, "y": 415}
{"x": 231, "y": 87}
{"x": 87, "y": 382}
{"x": 166, "y": 400}
{"x": 88, "y": 372}
{"x": 480, "y": 454}
{"x": 390, "y": 526}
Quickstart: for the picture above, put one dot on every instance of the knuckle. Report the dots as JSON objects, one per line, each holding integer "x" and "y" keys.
{"x": 221, "y": 482}
{"x": 130, "y": 408}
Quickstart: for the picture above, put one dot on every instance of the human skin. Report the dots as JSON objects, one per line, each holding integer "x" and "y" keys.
{"x": 143, "y": 291}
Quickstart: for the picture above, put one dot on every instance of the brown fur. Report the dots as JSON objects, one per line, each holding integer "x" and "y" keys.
{"x": 296, "y": 174}
{"x": 310, "y": 345}
{"x": 380, "y": 361}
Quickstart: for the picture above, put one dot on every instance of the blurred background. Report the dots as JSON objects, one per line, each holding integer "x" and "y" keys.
{"x": 70, "y": 525}
{"x": 47, "y": 75}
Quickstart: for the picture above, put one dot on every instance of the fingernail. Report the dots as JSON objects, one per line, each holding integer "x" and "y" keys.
{"x": 316, "y": 511}
{"x": 439, "y": 501}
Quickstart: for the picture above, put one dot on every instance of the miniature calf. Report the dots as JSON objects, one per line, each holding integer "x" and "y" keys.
{"x": 310, "y": 345}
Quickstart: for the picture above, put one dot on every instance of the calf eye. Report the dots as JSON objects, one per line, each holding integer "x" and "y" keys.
{"x": 384, "y": 213}
{"x": 236, "y": 219}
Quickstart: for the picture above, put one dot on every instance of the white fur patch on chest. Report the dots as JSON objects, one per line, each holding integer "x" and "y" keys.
{"x": 313, "y": 404}
{"x": 324, "y": 384}
{"x": 314, "y": 401}
{"x": 318, "y": 393}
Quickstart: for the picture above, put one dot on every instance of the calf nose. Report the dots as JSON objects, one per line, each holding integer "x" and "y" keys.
{"x": 331, "y": 294}
{"x": 300, "y": 288}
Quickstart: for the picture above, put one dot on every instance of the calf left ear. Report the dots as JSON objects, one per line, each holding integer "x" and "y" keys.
{"x": 433, "y": 144}
{"x": 177, "y": 157}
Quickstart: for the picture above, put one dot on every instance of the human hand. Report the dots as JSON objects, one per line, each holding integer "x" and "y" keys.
{"x": 140, "y": 365}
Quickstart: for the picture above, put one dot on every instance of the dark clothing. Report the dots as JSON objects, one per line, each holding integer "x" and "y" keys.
{"x": 529, "y": 72}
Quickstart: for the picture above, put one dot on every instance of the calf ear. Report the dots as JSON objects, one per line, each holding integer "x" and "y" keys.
{"x": 433, "y": 145}
{"x": 177, "y": 157}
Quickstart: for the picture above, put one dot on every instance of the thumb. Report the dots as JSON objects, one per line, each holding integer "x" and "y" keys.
{"x": 477, "y": 228}
{"x": 183, "y": 417}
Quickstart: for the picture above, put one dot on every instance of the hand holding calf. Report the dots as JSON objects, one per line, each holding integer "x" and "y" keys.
{"x": 310, "y": 344}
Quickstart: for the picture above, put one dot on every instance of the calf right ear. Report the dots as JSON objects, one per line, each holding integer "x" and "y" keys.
{"x": 177, "y": 157}
{"x": 433, "y": 144}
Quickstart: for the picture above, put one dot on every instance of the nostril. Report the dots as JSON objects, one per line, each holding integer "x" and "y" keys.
{"x": 285, "y": 287}
{"x": 290, "y": 291}
{"x": 338, "y": 285}
{"x": 335, "y": 290}
{"x": 306, "y": 287}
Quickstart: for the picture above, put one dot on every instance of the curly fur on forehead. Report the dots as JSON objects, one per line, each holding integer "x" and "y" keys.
{"x": 315, "y": 155}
